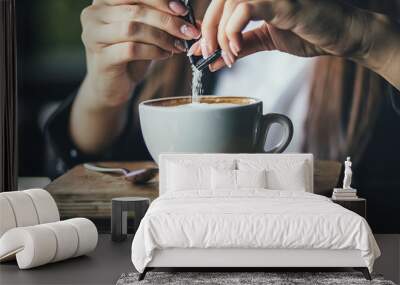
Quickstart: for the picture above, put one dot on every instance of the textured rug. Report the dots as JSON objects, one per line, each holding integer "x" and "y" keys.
{"x": 244, "y": 278}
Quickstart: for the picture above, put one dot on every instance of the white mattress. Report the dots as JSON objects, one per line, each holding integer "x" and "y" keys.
{"x": 252, "y": 219}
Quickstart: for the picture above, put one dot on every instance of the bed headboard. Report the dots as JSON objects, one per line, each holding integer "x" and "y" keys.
{"x": 272, "y": 159}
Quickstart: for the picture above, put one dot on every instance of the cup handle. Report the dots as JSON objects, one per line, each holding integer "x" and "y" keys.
{"x": 265, "y": 125}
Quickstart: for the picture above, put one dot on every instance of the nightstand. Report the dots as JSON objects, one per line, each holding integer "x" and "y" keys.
{"x": 357, "y": 205}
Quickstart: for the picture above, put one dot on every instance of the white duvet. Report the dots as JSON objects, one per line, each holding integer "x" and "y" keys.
{"x": 250, "y": 219}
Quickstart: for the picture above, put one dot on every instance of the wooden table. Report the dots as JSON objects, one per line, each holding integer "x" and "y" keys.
{"x": 84, "y": 193}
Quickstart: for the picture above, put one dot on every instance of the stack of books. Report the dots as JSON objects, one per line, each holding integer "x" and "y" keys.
{"x": 344, "y": 194}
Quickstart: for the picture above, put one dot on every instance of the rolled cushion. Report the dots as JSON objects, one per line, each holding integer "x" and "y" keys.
{"x": 7, "y": 218}
{"x": 66, "y": 238}
{"x": 26, "y": 208}
{"x": 87, "y": 235}
{"x": 33, "y": 246}
{"x": 46, "y": 207}
{"x": 23, "y": 208}
{"x": 40, "y": 244}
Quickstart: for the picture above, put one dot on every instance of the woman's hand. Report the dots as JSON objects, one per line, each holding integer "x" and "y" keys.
{"x": 122, "y": 37}
{"x": 300, "y": 27}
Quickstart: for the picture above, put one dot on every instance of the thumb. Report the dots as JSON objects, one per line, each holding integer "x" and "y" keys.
{"x": 255, "y": 40}
{"x": 252, "y": 41}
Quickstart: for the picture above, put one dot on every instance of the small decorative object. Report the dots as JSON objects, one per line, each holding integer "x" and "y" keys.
{"x": 119, "y": 217}
{"x": 347, "y": 192}
{"x": 348, "y": 173}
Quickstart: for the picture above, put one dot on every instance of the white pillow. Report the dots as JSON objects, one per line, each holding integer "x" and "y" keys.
{"x": 181, "y": 178}
{"x": 282, "y": 174}
{"x": 223, "y": 179}
{"x": 189, "y": 175}
{"x": 238, "y": 179}
{"x": 292, "y": 179}
{"x": 251, "y": 178}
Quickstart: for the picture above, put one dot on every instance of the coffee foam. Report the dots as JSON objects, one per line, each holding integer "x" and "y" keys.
{"x": 207, "y": 100}
{"x": 197, "y": 106}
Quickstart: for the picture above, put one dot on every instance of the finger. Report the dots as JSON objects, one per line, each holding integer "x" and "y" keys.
{"x": 261, "y": 39}
{"x": 243, "y": 14}
{"x": 258, "y": 39}
{"x": 228, "y": 53}
{"x": 133, "y": 32}
{"x": 173, "y": 25}
{"x": 174, "y": 7}
{"x": 198, "y": 24}
{"x": 209, "y": 27}
{"x": 253, "y": 41}
{"x": 195, "y": 49}
{"x": 217, "y": 65}
{"x": 129, "y": 51}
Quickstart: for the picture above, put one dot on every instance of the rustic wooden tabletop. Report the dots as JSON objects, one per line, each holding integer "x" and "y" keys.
{"x": 85, "y": 193}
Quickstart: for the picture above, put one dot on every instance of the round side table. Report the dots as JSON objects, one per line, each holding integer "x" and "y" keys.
{"x": 119, "y": 215}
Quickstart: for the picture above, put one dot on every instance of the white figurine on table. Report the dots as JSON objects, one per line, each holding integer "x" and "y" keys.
{"x": 348, "y": 173}
{"x": 347, "y": 192}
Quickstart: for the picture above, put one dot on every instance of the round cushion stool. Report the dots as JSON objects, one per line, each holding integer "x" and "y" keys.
{"x": 119, "y": 215}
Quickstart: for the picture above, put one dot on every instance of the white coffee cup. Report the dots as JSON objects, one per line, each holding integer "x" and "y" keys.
{"x": 220, "y": 124}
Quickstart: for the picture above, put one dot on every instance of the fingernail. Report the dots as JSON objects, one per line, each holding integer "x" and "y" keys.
{"x": 204, "y": 49}
{"x": 211, "y": 68}
{"x": 209, "y": 49}
{"x": 179, "y": 45}
{"x": 191, "y": 50}
{"x": 235, "y": 49}
{"x": 190, "y": 31}
{"x": 231, "y": 57}
{"x": 178, "y": 8}
{"x": 226, "y": 58}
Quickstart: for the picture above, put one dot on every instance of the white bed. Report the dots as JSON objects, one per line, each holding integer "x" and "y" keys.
{"x": 195, "y": 224}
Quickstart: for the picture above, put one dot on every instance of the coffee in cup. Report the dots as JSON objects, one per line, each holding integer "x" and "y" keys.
{"x": 213, "y": 124}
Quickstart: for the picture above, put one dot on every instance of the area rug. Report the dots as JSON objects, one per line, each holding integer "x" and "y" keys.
{"x": 244, "y": 278}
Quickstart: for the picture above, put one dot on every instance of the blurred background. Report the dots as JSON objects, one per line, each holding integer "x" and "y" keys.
{"x": 51, "y": 64}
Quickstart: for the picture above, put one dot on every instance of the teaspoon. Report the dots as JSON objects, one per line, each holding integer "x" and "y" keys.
{"x": 137, "y": 176}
